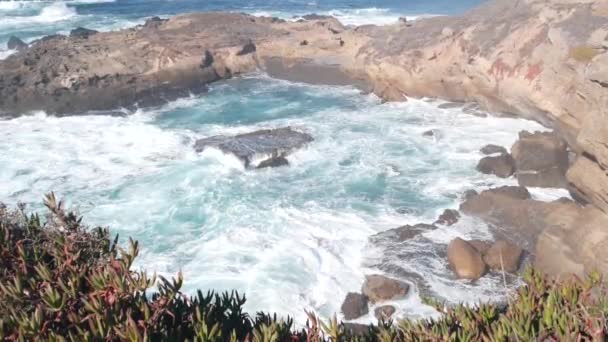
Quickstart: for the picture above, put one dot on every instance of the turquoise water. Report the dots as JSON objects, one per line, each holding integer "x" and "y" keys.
{"x": 290, "y": 238}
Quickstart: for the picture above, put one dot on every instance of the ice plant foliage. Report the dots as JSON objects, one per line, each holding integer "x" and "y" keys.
{"x": 63, "y": 281}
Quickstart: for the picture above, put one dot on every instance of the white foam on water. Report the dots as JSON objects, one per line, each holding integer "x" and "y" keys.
{"x": 291, "y": 238}
{"x": 54, "y": 12}
{"x": 355, "y": 16}
{"x": 5, "y": 53}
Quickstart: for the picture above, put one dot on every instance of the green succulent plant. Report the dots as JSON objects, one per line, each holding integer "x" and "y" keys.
{"x": 63, "y": 281}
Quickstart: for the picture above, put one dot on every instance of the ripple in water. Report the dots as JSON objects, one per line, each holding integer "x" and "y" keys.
{"x": 290, "y": 238}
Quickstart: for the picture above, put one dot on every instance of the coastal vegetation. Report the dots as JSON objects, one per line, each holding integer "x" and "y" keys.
{"x": 63, "y": 281}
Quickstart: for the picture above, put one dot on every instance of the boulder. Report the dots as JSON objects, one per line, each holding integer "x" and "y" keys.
{"x": 380, "y": 288}
{"x": 82, "y": 33}
{"x": 273, "y": 162}
{"x": 541, "y": 159}
{"x": 247, "y": 49}
{"x": 431, "y": 133}
{"x": 273, "y": 142}
{"x": 493, "y": 149}
{"x": 448, "y": 218}
{"x": 384, "y": 312}
{"x": 480, "y": 245}
{"x": 15, "y": 43}
{"x": 465, "y": 260}
{"x": 354, "y": 306}
{"x": 503, "y": 254}
{"x": 154, "y": 22}
{"x": 502, "y": 166}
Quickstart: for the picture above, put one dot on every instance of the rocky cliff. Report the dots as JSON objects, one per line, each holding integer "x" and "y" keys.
{"x": 540, "y": 59}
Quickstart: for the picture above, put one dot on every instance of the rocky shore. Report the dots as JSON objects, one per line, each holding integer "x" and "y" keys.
{"x": 545, "y": 60}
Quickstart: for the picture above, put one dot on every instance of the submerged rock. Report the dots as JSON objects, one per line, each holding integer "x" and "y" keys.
{"x": 273, "y": 142}
{"x": 15, "y": 43}
{"x": 354, "y": 306}
{"x": 274, "y": 162}
{"x": 448, "y": 218}
{"x": 493, "y": 149}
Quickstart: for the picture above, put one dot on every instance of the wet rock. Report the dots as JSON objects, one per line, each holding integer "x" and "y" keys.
{"x": 384, "y": 312}
{"x": 432, "y": 133}
{"x": 465, "y": 260}
{"x": 15, "y": 43}
{"x": 273, "y": 162}
{"x": 502, "y": 166}
{"x": 503, "y": 254}
{"x": 541, "y": 159}
{"x": 315, "y": 16}
{"x": 274, "y": 142}
{"x": 82, "y": 33}
{"x": 403, "y": 233}
{"x": 493, "y": 149}
{"x": 448, "y": 218}
{"x": 154, "y": 22}
{"x": 380, "y": 288}
{"x": 354, "y": 306}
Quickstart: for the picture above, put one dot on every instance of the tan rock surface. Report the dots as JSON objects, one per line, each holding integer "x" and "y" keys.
{"x": 465, "y": 260}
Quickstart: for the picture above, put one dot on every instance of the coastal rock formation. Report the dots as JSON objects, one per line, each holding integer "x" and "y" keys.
{"x": 493, "y": 149}
{"x": 502, "y": 165}
{"x": 15, "y": 43}
{"x": 465, "y": 260}
{"x": 354, "y": 306}
{"x": 403, "y": 233}
{"x": 448, "y": 218}
{"x": 276, "y": 143}
{"x": 541, "y": 159}
{"x": 380, "y": 288}
{"x": 503, "y": 255}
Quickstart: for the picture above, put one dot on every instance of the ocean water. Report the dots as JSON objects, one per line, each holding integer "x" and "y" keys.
{"x": 291, "y": 238}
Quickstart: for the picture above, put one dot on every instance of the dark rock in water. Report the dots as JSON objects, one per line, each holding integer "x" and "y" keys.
{"x": 354, "y": 306}
{"x": 403, "y": 233}
{"x": 430, "y": 133}
{"x": 81, "y": 32}
{"x": 154, "y": 22}
{"x": 304, "y": 42}
{"x": 493, "y": 149}
{"x": 448, "y": 218}
{"x": 15, "y": 43}
{"x": 469, "y": 194}
{"x": 450, "y": 105}
{"x": 502, "y": 166}
{"x": 403, "y": 20}
{"x": 272, "y": 142}
{"x": 384, "y": 312}
{"x": 247, "y": 49}
{"x": 315, "y": 16}
{"x": 274, "y": 162}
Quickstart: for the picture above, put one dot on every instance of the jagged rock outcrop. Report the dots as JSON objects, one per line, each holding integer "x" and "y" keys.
{"x": 541, "y": 159}
{"x": 502, "y": 166}
{"x": 276, "y": 143}
{"x": 15, "y": 43}
{"x": 354, "y": 306}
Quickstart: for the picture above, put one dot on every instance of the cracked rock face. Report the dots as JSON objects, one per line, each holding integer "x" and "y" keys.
{"x": 276, "y": 143}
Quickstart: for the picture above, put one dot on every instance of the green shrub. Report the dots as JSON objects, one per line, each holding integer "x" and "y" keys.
{"x": 62, "y": 281}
